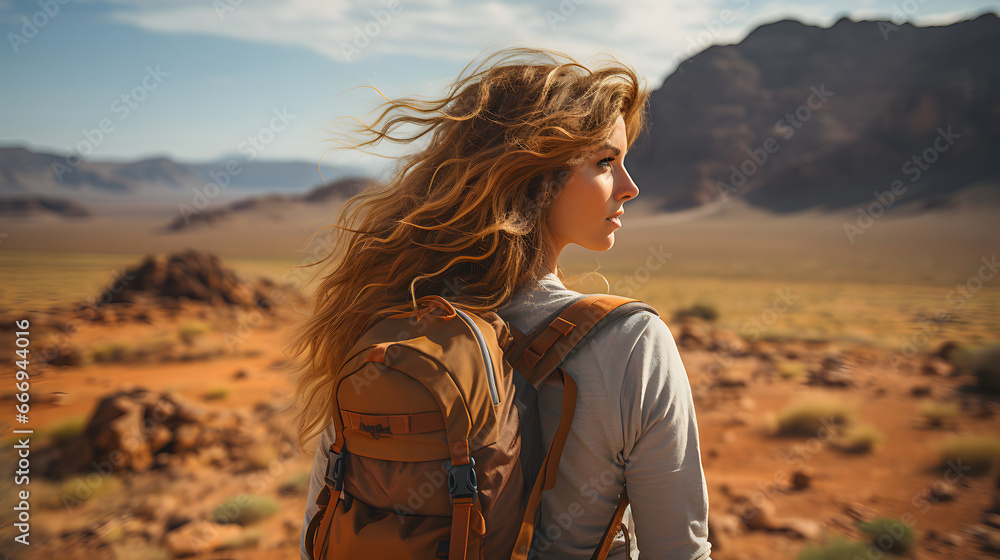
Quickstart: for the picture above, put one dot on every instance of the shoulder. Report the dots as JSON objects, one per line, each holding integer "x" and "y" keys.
{"x": 639, "y": 350}
{"x": 637, "y": 331}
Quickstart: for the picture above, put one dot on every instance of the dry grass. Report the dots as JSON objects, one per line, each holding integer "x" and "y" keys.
{"x": 792, "y": 370}
{"x": 814, "y": 418}
{"x": 860, "y": 439}
{"x": 245, "y": 509}
{"x": 890, "y": 535}
{"x": 979, "y": 452}
{"x": 216, "y": 394}
{"x": 190, "y": 332}
{"x": 939, "y": 414}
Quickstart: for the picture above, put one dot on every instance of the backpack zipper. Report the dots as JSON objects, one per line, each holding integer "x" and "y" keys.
{"x": 490, "y": 376}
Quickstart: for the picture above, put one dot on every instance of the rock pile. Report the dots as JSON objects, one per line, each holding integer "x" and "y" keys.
{"x": 194, "y": 275}
{"x": 135, "y": 430}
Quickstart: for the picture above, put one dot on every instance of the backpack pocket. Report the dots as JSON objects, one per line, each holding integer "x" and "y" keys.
{"x": 359, "y": 530}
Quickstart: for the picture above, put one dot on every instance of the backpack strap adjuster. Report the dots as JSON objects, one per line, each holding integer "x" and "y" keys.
{"x": 335, "y": 470}
{"x": 462, "y": 482}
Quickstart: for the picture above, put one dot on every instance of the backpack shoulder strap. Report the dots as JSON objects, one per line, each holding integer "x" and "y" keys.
{"x": 604, "y": 546}
{"x": 538, "y": 354}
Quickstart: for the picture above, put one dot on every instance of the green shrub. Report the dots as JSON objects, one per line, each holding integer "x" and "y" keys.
{"x": 835, "y": 549}
{"x": 791, "y": 370}
{"x": 190, "y": 332}
{"x": 860, "y": 439}
{"x": 889, "y": 535}
{"x": 939, "y": 414}
{"x": 249, "y": 538}
{"x": 979, "y": 453}
{"x": 111, "y": 352}
{"x": 814, "y": 418}
{"x": 62, "y": 431}
{"x": 245, "y": 509}
{"x": 295, "y": 484}
{"x": 74, "y": 491}
{"x": 216, "y": 394}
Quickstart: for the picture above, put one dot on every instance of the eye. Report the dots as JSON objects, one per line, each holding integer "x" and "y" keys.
{"x": 605, "y": 163}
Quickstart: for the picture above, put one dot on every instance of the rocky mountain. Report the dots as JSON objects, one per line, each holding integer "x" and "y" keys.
{"x": 797, "y": 116}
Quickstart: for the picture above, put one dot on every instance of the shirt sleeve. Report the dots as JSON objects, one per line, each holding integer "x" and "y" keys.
{"x": 317, "y": 479}
{"x": 663, "y": 472}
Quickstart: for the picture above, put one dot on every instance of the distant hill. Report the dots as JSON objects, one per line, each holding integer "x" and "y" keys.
{"x": 32, "y": 205}
{"x": 26, "y": 171}
{"x": 797, "y": 117}
{"x": 23, "y": 171}
{"x": 341, "y": 189}
{"x": 277, "y": 175}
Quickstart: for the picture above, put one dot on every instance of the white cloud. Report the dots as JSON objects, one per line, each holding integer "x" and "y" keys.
{"x": 652, "y": 35}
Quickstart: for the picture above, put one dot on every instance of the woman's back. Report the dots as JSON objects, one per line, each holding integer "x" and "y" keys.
{"x": 634, "y": 421}
{"x": 526, "y": 156}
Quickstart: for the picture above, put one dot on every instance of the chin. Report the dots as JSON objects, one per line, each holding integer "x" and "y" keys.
{"x": 604, "y": 244}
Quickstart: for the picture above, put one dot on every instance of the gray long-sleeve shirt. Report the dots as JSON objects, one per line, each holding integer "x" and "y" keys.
{"x": 634, "y": 422}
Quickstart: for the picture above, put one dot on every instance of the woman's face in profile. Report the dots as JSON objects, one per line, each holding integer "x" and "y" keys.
{"x": 585, "y": 210}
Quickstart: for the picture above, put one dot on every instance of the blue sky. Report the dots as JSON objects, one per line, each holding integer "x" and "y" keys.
{"x": 200, "y": 76}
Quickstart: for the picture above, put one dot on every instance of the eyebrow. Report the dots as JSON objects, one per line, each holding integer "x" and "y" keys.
{"x": 607, "y": 146}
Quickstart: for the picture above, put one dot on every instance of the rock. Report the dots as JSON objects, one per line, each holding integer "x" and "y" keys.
{"x": 198, "y": 537}
{"x": 695, "y": 334}
{"x": 760, "y": 518}
{"x": 739, "y": 419}
{"x": 859, "y": 512}
{"x": 766, "y": 518}
{"x": 946, "y": 349}
{"x": 995, "y": 508}
{"x": 942, "y": 492}
{"x": 159, "y": 437}
{"x": 68, "y": 356}
{"x": 158, "y": 507}
{"x": 805, "y": 528}
{"x": 766, "y": 350}
{"x": 734, "y": 377}
{"x": 936, "y": 366}
{"x": 921, "y": 390}
{"x": 729, "y": 343}
{"x": 991, "y": 541}
{"x": 833, "y": 372}
{"x": 187, "y": 275}
{"x": 186, "y": 437}
{"x": 130, "y": 429}
{"x": 802, "y": 478}
{"x": 717, "y": 535}
{"x": 952, "y": 539}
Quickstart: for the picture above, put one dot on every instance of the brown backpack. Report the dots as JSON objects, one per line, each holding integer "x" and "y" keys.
{"x": 438, "y": 452}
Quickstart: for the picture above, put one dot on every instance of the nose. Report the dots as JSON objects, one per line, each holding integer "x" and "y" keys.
{"x": 625, "y": 186}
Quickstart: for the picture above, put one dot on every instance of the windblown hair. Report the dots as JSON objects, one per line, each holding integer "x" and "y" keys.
{"x": 464, "y": 217}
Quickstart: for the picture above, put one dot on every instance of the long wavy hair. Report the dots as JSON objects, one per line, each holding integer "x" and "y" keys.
{"x": 463, "y": 217}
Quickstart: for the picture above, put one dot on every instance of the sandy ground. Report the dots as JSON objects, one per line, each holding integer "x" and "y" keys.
{"x": 51, "y": 263}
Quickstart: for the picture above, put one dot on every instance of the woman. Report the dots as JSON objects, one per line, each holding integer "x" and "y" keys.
{"x": 525, "y": 156}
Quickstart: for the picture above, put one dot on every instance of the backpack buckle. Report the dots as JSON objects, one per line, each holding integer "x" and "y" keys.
{"x": 462, "y": 480}
{"x": 335, "y": 470}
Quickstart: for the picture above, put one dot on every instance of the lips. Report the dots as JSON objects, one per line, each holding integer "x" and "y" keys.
{"x": 614, "y": 219}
